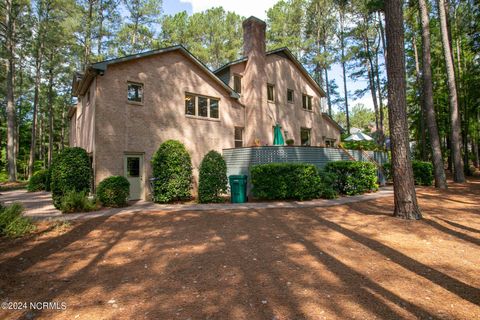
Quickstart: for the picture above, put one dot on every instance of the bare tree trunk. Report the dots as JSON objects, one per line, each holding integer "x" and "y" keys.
{"x": 342, "y": 44}
{"x": 38, "y": 66}
{"x": 327, "y": 86}
{"x": 371, "y": 77}
{"x": 88, "y": 35}
{"x": 381, "y": 135}
{"x": 458, "y": 174}
{"x": 11, "y": 115}
{"x": 438, "y": 165}
{"x": 423, "y": 141}
{"x": 50, "y": 114}
{"x": 405, "y": 197}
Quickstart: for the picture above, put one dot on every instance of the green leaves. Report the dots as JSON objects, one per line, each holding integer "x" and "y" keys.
{"x": 212, "y": 178}
{"x": 285, "y": 181}
{"x": 113, "y": 191}
{"x": 39, "y": 181}
{"x": 172, "y": 167}
{"x": 71, "y": 171}
{"x": 352, "y": 177}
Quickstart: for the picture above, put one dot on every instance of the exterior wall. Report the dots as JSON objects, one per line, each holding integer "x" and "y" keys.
{"x": 82, "y": 125}
{"x": 283, "y": 74}
{"x": 124, "y": 127}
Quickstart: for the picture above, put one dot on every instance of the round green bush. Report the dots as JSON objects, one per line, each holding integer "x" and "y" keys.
{"x": 352, "y": 177}
{"x": 39, "y": 181}
{"x": 212, "y": 178}
{"x": 172, "y": 169}
{"x": 113, "y": 191}
{"x": 70, "y": 171}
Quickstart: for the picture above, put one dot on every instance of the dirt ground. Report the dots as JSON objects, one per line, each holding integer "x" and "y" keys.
{"x": 352, "y": 261}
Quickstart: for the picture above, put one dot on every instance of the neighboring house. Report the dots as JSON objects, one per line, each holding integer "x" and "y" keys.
{"x": 128, "y": 106}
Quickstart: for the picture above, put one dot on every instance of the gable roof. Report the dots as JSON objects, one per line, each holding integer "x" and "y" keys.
{"x": 285, "y": 52}
{"x": 81, "y": 81}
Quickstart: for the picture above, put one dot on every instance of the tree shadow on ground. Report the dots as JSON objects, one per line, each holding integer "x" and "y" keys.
{"x": 453, "y": 285}
{"x": 218, "y": 264}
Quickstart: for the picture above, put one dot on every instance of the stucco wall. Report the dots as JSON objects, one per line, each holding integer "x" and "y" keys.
{"x": 283, "y": 74}
{"x": 123, "y": 127}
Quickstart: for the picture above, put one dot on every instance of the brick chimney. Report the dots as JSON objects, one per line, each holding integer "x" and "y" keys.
{"x": 254, "y": 37}
{"x": 254, "y": 97}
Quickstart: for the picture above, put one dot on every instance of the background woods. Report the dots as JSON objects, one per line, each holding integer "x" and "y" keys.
{"x": 45, "y": 41}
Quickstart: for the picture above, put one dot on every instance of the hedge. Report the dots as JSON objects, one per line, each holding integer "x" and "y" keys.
{"x": 73, "y": 201}
{"x": 285, "y": 181}
{"x": 353, "y": 177}
{"x": 172, "y": 169}
{"x": 39, "y": 181}
{"x": 212, "y": 178}
{"x": 70, "y": 171}
{"x": 422, "y": 172}
{"x": 113, "y": 191}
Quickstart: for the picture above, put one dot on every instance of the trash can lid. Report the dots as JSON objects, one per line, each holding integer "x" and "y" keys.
{"x": 237, "y": 176}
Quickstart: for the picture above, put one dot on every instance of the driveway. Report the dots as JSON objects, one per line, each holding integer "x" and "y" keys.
{"x": 38, "y": 205}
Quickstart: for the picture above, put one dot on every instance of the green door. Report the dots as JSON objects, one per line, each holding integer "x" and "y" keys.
{"x": 133, "y": 165}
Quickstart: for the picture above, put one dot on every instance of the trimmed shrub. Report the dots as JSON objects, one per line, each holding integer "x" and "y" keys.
{"x": 212, "y": 178}
{"x": 73, "y": 201}
{"x": 422, "y": 172}
{"x": 353, "y": 177}
{"x": 12, "y": 223}
{"x": 172, "y": 168}
{"x": 39, "y": 181}
{"x": 113, "y": 191}
{"x": 70, "y": 171}
{"x": 326, "y": 190}
{"x": 285, "y": 181}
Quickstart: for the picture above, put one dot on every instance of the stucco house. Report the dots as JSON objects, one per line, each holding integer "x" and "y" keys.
{"x": 128, "y": 106}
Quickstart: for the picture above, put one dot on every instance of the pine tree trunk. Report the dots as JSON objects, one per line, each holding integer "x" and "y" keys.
{"x": 405, "y": 197}
{"x": 11, "y": 115}
{"x": 327, "y": 87}
{"x": 371, "y": 78}
{"x": 50, "y": 114}
{"x": 438, "y": 165}
{"x": 342, "y": 44}
{"x": 381, "y": 136}
{"x": 458, "y": 174}
{"x": 423, "y": 141}
{"x": 38, "y": 66}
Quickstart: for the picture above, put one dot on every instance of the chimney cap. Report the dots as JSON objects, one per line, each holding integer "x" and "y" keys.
{"x": 252, "y": 18}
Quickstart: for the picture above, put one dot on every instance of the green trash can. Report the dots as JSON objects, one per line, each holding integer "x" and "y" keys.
{"x": 238, "y": 188}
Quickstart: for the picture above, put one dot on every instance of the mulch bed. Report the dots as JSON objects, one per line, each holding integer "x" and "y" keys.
{"x": 342, "y": 262}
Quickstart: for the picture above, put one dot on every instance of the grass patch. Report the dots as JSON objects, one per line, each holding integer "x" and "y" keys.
{"x": 12, "y": 223}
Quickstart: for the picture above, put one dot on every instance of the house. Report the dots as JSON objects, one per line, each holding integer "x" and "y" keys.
{"x": 128, "y": 106}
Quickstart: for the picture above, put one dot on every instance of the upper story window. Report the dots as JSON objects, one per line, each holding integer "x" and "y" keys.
{"x": 270, "y": 92}
{"x": 135, "y": 92}
{"x": 201, "y": 106}
{"x": 237, "y": 83}
{"x": 290, "y": 95}
{"x": 307, "y": 102}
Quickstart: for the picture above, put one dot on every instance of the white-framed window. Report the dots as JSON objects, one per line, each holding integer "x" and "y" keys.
{"x": 135, "y": 92}
{"x": 238, "y": 137}
{"x": 270, "y": 92}
{"x": 201, "y": 106}
{"x": 307, "y": 102}
{"x": 290, "y": 95}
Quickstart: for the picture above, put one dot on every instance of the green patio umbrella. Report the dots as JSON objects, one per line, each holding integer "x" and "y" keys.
{"x": 277, "y": 136}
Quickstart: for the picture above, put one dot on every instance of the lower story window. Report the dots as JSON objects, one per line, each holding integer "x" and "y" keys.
{"x": 305, "y": 136}
{"x": 238, "y": 136}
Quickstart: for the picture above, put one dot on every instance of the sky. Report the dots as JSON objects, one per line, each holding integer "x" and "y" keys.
{"x": 258, "y": 9}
